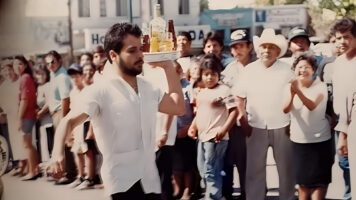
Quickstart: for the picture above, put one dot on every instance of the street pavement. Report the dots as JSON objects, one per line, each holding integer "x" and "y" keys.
{"x": 41, "y": 189}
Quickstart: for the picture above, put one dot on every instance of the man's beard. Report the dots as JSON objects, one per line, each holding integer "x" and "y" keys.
{"x": 130, "y": 71}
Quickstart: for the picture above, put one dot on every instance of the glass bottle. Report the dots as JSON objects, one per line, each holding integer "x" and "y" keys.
{"x": 171, "y": 30}
{"x": 157, "y": 28}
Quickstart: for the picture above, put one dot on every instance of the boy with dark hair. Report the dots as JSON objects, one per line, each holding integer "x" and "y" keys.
{"x": 214, "y": 43}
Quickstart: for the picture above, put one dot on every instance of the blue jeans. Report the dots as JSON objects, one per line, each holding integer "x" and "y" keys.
{"x": 210, "y": 164}
{"x": 344, "y": 165}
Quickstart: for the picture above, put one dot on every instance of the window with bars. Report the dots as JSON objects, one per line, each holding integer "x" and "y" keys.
{"x": 183, "y": 7}
{"x": 102, "y": 8}
{"x": 121, "y": 7}
{"x": 84, "y": 8}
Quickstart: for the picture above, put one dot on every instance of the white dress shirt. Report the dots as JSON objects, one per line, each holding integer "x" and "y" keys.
{"x": 263, "y": 89}
{"x": 124, "y": 126}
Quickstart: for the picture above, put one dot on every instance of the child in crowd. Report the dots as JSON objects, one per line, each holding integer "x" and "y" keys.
{"x": 306, "y": 100}
{"x": 216, "y": 113}
{"x": 184, "y": 156}
{"x": 43, "y": 116}
{"x": 193, "y": 75}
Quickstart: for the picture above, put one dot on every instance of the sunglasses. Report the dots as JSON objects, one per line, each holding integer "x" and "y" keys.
{"x": 50, "y": 63}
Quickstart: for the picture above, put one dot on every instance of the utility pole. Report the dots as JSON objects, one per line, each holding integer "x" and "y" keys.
{"x": 70, "y": 59}
{"x": 129, "y": 10}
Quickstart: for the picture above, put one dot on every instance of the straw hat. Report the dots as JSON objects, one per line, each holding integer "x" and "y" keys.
{"x": 268, "y": 36}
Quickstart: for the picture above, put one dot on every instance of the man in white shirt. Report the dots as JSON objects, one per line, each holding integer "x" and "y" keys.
{"x": 241, "y": 48}
{"x": 122, "y": 108}
{"x": 343, "y": 80}
{"x": 261, "y": 88}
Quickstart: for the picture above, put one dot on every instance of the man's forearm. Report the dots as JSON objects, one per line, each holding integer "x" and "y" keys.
{"x": 65, "y": 106}
{"x": 174, "y": 87}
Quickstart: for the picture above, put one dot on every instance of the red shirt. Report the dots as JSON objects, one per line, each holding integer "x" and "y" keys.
{"x": 28, "y": 92}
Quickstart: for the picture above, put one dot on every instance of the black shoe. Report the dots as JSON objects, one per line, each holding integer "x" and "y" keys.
{"x": 64, "y": 181}
{"x": 33, "y": 178}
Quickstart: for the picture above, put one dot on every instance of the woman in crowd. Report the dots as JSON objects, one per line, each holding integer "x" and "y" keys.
{"x": 306, "y": 100}
{"x": 27, "y": 114}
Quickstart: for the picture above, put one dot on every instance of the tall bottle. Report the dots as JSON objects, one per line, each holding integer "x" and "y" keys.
{"x": 157, "y": 30}
{"x": 171, "y": 30}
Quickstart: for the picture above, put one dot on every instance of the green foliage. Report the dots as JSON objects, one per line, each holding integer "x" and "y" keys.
{"x": 342, "y": 8}
{"x": 294, "y": 1}
{"x": 204, "y": 4}
{"x": 324, "y": 13}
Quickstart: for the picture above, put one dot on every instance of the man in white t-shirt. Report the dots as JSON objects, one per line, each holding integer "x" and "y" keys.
{"x": 343, "y": 80}
{"x": 241, "y": 48}
{"x": 261, "y": 88}
{"x": 122, "y": 108}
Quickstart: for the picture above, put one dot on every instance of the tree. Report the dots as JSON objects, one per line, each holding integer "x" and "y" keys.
{"x": 342, "y": 8}
{"x": 325, "y": 12}
{"x": 294, "y": 1}
{"x": 204, "y": 4}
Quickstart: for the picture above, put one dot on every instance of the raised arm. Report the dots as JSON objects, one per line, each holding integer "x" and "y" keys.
{"x": 311, "y": 104}
{"x": 289, "y": 101}
{"x": 172, "y": 102}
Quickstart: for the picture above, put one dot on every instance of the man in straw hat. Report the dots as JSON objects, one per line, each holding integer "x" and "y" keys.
{"x": 261, "y": 88}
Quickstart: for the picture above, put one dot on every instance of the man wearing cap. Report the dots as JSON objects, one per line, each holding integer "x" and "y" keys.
{"x": 261, "y": 88}
{"x": 241, "y": 48}
{"x": 299, "y": 42}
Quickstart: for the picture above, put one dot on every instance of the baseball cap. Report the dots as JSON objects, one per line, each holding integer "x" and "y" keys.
{"x": 74, "y": 69}
{"x": 297, "y": 32}
{"x": 239, "y": 36}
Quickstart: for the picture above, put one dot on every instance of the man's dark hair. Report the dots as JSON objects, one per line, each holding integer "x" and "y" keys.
{"x": 55, "y": 54}
{"x": 185, "y": 34}
{"x": 115, "y": 36}
{"x": 87, "y": 54}
{"x": 343, "y": 25}
{"x": 215, "y": 36}
{"x": 98, "y": 49}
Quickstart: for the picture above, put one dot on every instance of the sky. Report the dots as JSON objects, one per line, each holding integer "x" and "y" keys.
{"x": 227, "y": 4}
{"x": 59, "y": 7}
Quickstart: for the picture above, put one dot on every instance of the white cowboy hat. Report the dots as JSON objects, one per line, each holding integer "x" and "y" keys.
{"x": 269, "y": 36}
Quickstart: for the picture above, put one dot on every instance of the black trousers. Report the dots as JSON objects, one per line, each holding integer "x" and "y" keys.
{"x": 164, "y": 165}
{"x": 70, "y": 166}
{"x": 235, "y": 154}
{"x": 135, "y": 193}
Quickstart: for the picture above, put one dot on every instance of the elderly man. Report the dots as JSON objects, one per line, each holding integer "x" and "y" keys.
{"x": 241, "y": 48}
{"x": 261, "y": 89}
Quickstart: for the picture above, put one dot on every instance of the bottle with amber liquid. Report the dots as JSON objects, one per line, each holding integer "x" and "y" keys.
{"x": 146, "y": 43}
{"x": 157, "y": 30}
{"x": 171, "y": 30}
